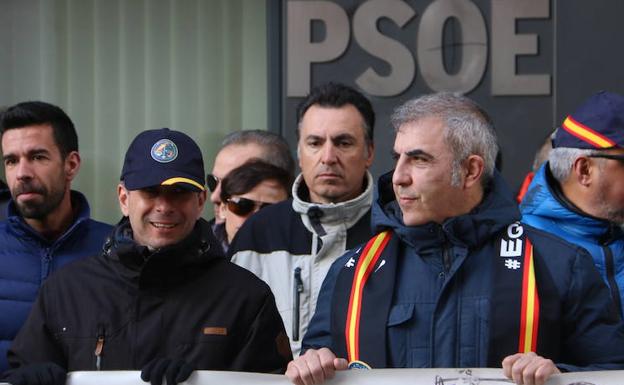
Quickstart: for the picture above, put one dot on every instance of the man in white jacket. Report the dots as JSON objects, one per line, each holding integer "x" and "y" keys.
{"x": 292, "y": 244}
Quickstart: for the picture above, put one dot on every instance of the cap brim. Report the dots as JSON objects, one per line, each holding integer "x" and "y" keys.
{"x": 155, "y": 177}
{"x": 184, "y": 183}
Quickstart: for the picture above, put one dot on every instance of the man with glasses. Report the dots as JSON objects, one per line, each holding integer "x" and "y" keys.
{"x": 249, "y": 188}
{"x": 237, "y": 148}
{"x": 292, "y": 244}
{"x": 579, "y": 194}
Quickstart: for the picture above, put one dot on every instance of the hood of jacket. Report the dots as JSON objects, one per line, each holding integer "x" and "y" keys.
{"x": 496, "y": 211}
{"x": 544, "y": 199}
{"x": 164, "y": 266}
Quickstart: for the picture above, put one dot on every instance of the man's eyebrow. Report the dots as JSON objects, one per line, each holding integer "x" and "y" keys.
{"x": 34, "y": 151}
{"x": 418, "y": 153}
{"x": 343, "y": 137}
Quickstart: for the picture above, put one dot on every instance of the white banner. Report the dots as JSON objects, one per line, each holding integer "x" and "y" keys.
{"x": 355, "y": 377}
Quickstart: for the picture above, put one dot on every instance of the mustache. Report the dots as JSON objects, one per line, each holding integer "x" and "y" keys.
{"x": 329, "y": 170}
{"x": 28, "y": 187}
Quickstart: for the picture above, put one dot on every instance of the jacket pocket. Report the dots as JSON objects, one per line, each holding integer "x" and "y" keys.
{"x": 400, "y": 318}
{"x": 474, "y": 337}
{"x": 94, "y": 347}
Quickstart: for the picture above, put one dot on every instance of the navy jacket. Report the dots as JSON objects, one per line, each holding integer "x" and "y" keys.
{"x": 545, "y": 207}
{"x": 442, "y": 310}
{"x": 26, "y": 260}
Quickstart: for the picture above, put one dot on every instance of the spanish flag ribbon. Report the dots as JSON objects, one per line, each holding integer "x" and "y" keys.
{"x": 364, "y": 268}
{"x": 529, "y": 315}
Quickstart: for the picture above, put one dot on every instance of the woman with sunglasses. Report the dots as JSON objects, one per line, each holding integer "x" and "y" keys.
{"x": 249, "y": 188}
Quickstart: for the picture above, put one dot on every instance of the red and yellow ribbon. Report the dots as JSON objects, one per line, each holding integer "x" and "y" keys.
{"x": 364, "y": 268}
{"x": 529, "y": 316}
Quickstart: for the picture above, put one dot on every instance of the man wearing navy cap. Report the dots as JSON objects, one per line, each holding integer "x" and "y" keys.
{"x": 579, "y": 194}
{"x": 161, "y": 297}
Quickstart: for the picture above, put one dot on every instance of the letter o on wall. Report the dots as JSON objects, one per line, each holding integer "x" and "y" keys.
{"x": 474, "y": 45}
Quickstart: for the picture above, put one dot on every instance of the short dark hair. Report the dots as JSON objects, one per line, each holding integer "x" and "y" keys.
{"x": 338, "y": 95}
{"x": 276, "y": 149}
{"x": 244, "y": 178}
{"x": 36, "y": 113}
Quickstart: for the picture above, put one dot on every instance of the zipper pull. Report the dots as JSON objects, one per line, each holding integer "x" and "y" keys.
{"x": 298, "y": 289}
{"x": 99, "y": 347}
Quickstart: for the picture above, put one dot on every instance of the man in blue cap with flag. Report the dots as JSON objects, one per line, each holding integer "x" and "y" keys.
{"x": 160, "y": 297}
{"x": 579, "y": 194}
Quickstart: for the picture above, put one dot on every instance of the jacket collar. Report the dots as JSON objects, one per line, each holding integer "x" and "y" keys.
{"x": 317, "y": 217}
{"x": 496, "y": 211}
{"x": 161, "y": 267}
{"x": 19, "y": 226}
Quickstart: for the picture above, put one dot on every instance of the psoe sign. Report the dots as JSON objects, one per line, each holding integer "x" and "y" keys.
{"x": 504, "y": 45}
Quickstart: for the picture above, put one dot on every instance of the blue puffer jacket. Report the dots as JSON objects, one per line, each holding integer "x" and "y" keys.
{"x": 26, "y": 259}
{"x": 545, "y": 207}
{"x": 446, "y": 309}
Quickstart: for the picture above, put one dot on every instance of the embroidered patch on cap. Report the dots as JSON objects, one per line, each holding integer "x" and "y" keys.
{"x": 164, "y": 151}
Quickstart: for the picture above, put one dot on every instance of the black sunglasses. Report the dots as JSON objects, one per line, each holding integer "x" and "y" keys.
{"x": 619, "y": 158}
{"x": 243, "y": 206}
{"x": 212, "y": 182}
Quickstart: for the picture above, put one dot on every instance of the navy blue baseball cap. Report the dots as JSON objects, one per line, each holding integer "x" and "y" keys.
{"x": 163, "y": 157}
{"x": 597, "y": 124}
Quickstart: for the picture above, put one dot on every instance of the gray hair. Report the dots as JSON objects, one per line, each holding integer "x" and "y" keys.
{"x": 561, "y": 160}
{"x": 468, "y": 130}
{"x": 276, "y": 149}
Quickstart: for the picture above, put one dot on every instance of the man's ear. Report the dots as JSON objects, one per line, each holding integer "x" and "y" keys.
{"x": 473, "y": 170}
{"x": 371, "y": 154}
{"x": 582, "y": 170}
{"x": 122, "y": 195}
{"x": 72, "y": 165}
{"x": 202, "y": 196}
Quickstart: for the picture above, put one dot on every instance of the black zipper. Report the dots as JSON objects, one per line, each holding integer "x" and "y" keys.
{"x": 610, "y": 268}
{"x": 99, "y": 347}
{"x": 297, "y": 290}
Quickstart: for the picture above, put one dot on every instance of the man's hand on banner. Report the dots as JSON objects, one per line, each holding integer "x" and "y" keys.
{"x": 529, "y": 368}
{"x": 46, "y": 373}
{"x": 314, "y": 367}
{"x": 175, "y": 370}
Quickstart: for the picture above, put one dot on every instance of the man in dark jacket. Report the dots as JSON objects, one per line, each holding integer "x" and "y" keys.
{"x": 579, "y": 194}
{"x": 452, "y": 279}
{"x": 161, "y": 297}
{"x": 48, "y": 224}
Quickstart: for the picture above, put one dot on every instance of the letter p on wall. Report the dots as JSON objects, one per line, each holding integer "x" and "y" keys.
{"x": 302, "y": 51}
